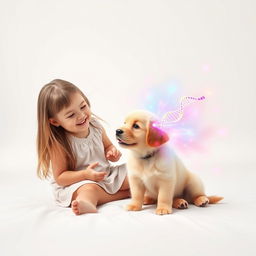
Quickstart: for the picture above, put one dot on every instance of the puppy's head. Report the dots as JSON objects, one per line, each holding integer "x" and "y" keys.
{"x": 139, "y": 132}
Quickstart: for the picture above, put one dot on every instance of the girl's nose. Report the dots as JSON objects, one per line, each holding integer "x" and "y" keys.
{"x": 81, "y": 115}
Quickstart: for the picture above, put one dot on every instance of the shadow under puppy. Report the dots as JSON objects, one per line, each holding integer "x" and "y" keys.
{"x": 155, "y": 173}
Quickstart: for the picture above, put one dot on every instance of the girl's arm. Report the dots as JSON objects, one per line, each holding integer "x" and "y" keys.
{"x": 111, "y": 152}
{"x": 64, "y": 177}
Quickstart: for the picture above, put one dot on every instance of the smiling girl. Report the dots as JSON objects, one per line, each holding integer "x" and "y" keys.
{"x": 74, "y": 150}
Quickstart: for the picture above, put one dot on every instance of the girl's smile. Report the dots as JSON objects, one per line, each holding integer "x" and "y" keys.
{"x": 83, "y": 122}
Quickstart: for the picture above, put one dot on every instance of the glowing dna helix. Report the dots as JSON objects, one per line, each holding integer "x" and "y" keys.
{"x": 174, "y": 116}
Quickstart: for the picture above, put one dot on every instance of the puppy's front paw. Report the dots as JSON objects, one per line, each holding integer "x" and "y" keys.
{"x": 163, "y": 210}
{"x": 133, "y": 207}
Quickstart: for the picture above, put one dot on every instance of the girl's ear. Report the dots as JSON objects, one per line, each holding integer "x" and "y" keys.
{"x": 155, "y": 137}
{"x": 54, "y": 122}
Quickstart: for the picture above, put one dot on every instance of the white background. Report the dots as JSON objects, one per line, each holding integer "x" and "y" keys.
{"x": 112, "y": 50}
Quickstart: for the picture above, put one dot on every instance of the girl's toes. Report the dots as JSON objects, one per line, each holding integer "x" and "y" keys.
{"x": 74, "y": 206}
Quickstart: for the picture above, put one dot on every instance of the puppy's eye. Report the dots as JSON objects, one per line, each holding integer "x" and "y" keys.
{"x": 135, "y": 126}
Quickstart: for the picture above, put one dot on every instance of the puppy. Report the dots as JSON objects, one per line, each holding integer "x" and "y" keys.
{"x": 155, "y": 173}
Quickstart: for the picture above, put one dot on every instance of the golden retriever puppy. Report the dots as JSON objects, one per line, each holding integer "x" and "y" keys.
{"x": 155, "y": 173}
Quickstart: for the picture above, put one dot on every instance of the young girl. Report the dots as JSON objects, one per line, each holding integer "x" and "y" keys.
{"x": 74, "y": 150}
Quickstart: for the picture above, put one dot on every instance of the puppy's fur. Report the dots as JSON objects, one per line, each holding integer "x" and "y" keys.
{"x": 155, "y": 173}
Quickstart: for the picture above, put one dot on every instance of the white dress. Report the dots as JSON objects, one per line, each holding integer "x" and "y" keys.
{"x": 87, "y": 151}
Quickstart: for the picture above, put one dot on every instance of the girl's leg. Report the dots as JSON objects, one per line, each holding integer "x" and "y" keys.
{"x": 84, "y": 199}
{"x": 125, "y": 184}
{"x": 87, "y": 197}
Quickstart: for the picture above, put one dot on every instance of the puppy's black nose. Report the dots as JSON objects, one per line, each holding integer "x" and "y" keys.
{"x": 119, "y": 132}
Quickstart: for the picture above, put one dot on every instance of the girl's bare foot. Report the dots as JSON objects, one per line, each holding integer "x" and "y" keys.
{"x": 81, "y": 207}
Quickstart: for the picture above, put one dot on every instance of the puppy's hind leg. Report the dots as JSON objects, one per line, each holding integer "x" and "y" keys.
{"x": 179, "y": 203}
{"x": 149, "y": 199}
{"x": 194, "y": 191}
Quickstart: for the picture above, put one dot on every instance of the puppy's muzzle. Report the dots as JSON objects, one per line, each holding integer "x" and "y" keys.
{"x": 121, "y": 141}
{"x": 119, "y": 132}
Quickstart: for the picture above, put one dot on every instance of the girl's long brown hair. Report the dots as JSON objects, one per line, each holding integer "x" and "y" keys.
{"x": 52, "y": 98}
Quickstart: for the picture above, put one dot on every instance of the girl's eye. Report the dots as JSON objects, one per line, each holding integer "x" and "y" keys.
{"x": 135, "y": 126}
{"x": 83, "y": 107}
{"x": 71, "y": 115}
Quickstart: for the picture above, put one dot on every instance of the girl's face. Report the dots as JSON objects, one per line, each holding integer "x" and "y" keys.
{"x": 75, "y": 118}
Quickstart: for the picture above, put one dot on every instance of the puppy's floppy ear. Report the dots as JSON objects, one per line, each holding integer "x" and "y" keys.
{"x": 155, "y": 137}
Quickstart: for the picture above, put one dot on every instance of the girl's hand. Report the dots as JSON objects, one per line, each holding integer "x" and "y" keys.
{"x": 112, "y": 154}
{"x": 93, "y": 175}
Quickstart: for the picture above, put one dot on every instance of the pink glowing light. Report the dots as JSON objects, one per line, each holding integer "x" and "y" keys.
{"x": 206, "y": 68}
{"x": 194, "y": 132}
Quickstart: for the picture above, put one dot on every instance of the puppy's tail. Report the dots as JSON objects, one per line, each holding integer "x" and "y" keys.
{"x": 214, "y": 199}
